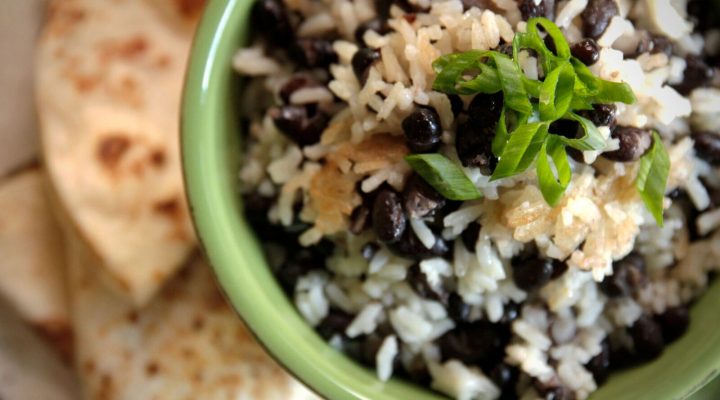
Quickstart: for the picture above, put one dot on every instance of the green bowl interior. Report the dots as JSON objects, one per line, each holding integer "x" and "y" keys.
{"x": 211, "y": 155}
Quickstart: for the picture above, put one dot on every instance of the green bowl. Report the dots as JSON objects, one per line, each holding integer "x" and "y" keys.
{"x": 211, "y": 158}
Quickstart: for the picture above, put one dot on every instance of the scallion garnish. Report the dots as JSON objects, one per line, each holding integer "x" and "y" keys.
{"x": 524, "y": 131}
{"x": 652, "y": 178}
{"x": 444, "y": 175}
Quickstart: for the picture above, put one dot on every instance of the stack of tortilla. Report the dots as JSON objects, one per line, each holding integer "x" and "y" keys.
{"x": 117, "y": 285}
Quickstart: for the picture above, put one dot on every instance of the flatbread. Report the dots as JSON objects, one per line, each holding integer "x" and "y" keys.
{"x": 186, "y": 344}
{"x": 29, "y": 368}
{"x": 108, "y": 87}
{"x": 32, "y": 265}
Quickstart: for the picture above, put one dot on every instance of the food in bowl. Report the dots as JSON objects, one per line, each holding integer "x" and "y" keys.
{"x": 494, "y": 199}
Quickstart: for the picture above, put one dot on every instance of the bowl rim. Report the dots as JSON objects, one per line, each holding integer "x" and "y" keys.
{"x": 202, "y": 157}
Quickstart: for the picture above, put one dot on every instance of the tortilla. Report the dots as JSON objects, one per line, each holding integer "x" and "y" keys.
{"x": 186, "y": 344}
{"x": 29, "y": 368}
{"x": 108, "y": 88}
{"x": 32, "y": 266}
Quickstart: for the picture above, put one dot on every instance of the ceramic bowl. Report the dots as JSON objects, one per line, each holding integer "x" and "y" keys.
{"x": 211, "y": 157}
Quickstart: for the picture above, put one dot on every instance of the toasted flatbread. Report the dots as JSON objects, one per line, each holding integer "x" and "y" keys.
{"x": 108, "y": 87}
{"x": 186, "y": 344}
{"x": 33, "y": 258}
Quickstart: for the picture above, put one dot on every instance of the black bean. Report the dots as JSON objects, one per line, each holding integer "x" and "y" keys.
{"x": 364, "y": 348}
{"x": 418, "y": 281}
{"x": 334, "y": 323}
{"x": 423, "y": 131}
{"x": 485, "y": 109}
{"x": 409, "y": 246}
{"x": 470, "y": 235}
{"x": 313, "y": 53}
{"x": 294, "y": 269}
{"x": 361, "y": 62}
{"x": 369, "y": 250}
{"x": 674, "y": 322}
{"x": 382, "y": 7}
{"x": 601, "y": 114}
{"x": 647, "y": 338}
{"x": 586, "y": 50}
{"x": 301, "y": 124}
{"x": 697, "y": 74}
{"x": 628, "y": 276}
{"x": 634, "y": 143}
{"x": 652, "y": 44}
{"x": 297, "y": 81}
{"x": 480, "y": 342}
{"x": 474, "y": 147}
{"x": 322, "y": 250}
{"x": 417, "y": 371}
{"x": 420, "y": 199}
{"x": 705, "y": 14}
{"x": 565, "y": 127}
{"x": 557, "y": 393}
{"x": 707, "y": 147}
{"x": 506, "y": 48}
{"x": 456, "y": 104}
{"x": 661, "y": 44}
{"x": 599, "y": 365}
{"x": 621, "y": 357}
{"x": 531, "y": 9}
{"x": 532, "y": 273}
{"x": 505, "y": 377}
{"x": 376, "y": 24}
{"x": 550, "y": 44}
{"x": 597, "y": 15}
{"x": 457, "y": 309}
{"x": 271, "y": 19}
{"x": 388, "y": 218}
{"x": 559, "y": 268}
{"x": 511, "y": 311}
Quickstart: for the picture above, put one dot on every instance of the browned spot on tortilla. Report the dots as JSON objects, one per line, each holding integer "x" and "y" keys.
{"x": 106, "y": 388}
{"x": 63, "y": 16}
{"x": 111, "y": 149}
{"x": 89, "y": 366}
{"x": 152, "y": 368}
{"x": 133, "y": 317}
{"x": 157, "y": 158}
{"x": 85, "y": 83}
{"x": 197, "y": 377}
{"x": 190, "y": 8}
{"x": 163, "y": 61}
{"x": 123, "y": 50}
{"x": 198, "y": 323}
{"x": 60, "y": 336}
{"x": 170, "y": 208}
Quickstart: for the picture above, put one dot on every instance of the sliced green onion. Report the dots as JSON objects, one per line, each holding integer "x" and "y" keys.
{"x": 501, "y": 133}
{"x": 610, "y": 92}
{"x": 525, "y": 41}
{"x": 561, "y": 45}
{"x": 451, "y": 70}
{"x": 652, "y": 178}
{"x": 512, "y": 83}
{"x": 594, "y": 90}
{"x": 553, "y": 186}
{"x": 591, "y": 138}
{"x": 444, "y": 175}
{"x": 520, "y": 150}
{"x": 556, "y": 92}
